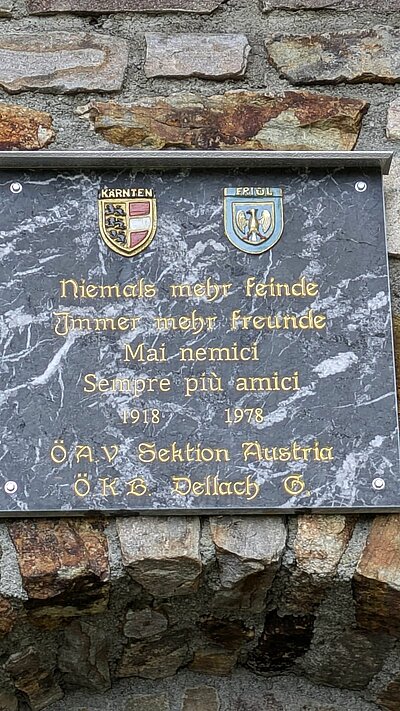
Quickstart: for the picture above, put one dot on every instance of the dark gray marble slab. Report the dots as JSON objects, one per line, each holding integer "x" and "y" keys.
{"x": 333, "y": 236}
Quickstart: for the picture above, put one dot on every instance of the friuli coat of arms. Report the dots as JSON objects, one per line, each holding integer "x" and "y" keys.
{"x": 253, "y": 218}
{"x": 127, "y": 219}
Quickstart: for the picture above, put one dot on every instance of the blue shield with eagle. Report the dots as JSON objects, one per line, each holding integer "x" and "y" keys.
{"x": 253, "y": 218}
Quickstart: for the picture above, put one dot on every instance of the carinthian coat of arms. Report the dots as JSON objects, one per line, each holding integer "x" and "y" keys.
{"x": 127, "y": 219}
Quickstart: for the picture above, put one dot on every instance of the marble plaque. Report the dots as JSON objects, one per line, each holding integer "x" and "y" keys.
{"x": 194, "y": 340}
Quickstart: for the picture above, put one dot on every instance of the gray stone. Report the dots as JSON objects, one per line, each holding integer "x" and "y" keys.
{"x": 341, "y": 5}
{"x": 35, "y": 681}
{"x": 148, "y": 702}
{"x": 62, "y": 62}
{"x": 393, "y": 120}
{"x": 99, "y": 6}
{"x": 6, "y": 7}
{"x": 141, "y": 624}
{"x": 196, "y": 55}
{"x": 201, "y": 698}
{"x": 371, "y": 55}
{"x": 392, "y": 202}
{"x": 293, "y": 120}
{"x": 249, "y": 552}
{"x": 162, "y": 553}
{"x": 155, "y": 660}
{"x": 349, "y": 659}
{"x": 83, "y": 657}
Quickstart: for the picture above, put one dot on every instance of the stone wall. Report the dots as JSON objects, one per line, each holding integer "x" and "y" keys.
{"x": 188, "y": 614}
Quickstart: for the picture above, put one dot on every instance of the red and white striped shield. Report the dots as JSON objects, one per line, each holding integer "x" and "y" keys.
{"x": 127, "y": 226}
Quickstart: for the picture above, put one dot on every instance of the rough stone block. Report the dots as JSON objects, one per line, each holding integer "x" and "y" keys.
{"x": 155, "y": 660}
{"x": 282, "y": 642}
{"x": 43, "y": 7}
{"x": 6, "y": 7}
{"x": 214, "y": 661}
{"x": 144, "y": 624}
{"x": 33, "y": 679}
{"x": 249, "y": 550}
{"x": 196, "y": 55}
{"x": 320, "y": 543}
{"x": 162, "y": 553}
{"x": 231, "y": 121}
{"x": 8, "y": 616}
{"x": 23, "y": 128}
{"x": 148, "y": 702}
{"x": 201, "y": 698}
{"x": 389, "y": 697}
{"x": 8, "y": 702}
{"x": 392, "y": 202}
{"x": 350, "y": 659}
{"x": 318, "y": 546}
{"x": 377, "y": 578}
{"x": 62, "y": 62}
{"x": 371, "y": 55}
{"x": 83, "y": 657}
{"x": 64, "y": 566}
{"x": 393, "y": 120}
{"x": 231, "y": 634}
{"x": 338, "y": 5}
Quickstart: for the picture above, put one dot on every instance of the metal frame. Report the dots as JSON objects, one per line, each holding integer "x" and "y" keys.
{"x": 164, "y": 160}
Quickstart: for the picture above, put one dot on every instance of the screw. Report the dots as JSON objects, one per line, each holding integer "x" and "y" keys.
{"x": 16, "y": 188}
{"x": 378, "y": 484}
{"x": 361, "y": 186}
{"x": 10, "y": 487}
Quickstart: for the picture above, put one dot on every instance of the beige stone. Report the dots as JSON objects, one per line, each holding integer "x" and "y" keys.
{"x": 318, "y": 546}
{"x": 249, "y": 550}
{"x": 24, "y": 129}
{"x": 8, "y": 702}
{"x": 377, "y": 578}
{"x": 201, "y": 698}
{"x": 6, "y": 7}
{"x": 148, "y": 702}
{"x": 231, "y": 121}
{"x": 392, "y": 203}
{"x": 214, "y": 661}
{"x": 393, "y": 120}
{"x": 320, "y": 543}
{"x": 62, "y": 62}
{"x": 162, "y": 553}
{"x": 196, "y": 55}
{"x": 332, "y": 57}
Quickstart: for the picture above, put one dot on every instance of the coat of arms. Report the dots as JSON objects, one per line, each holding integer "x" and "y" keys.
{"x": 253, "y": 218}
{"x": 127, "y": 219}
